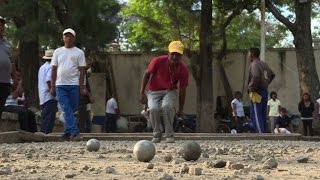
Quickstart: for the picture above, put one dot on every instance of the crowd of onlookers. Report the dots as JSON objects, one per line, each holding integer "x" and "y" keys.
{"x": 278, "y": 120}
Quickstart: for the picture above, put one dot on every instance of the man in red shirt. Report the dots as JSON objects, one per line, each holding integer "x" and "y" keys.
{"x": 159, "y": 89}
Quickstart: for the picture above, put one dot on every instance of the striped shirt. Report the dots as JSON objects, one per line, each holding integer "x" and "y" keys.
{"x": 11, "y": 101}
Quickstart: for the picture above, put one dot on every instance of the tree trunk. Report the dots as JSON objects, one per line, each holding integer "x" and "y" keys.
{"x": 308, "y": 76}
{"x": 205, "y": 117}
{"x": 29, "y": 63}
{"x": 225, "y": 83}
{"x": 301, "y": 30}
{"x": 29, "y": 58}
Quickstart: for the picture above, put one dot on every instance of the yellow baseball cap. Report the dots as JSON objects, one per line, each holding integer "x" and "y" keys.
{"x": 176, "y": 46}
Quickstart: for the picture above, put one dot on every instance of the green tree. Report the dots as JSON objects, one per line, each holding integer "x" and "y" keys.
{"x": 25, "y": 17}
{"x": 181, "y": 20}
{"x": 95, "y": 22}
{"x": 300, "y": 27}
{"x": 150, "y": 25}
{"x": 34, "y": 24}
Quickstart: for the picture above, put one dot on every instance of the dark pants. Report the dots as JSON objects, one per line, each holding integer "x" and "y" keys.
{"x": 5, "y": 89}
{"x": 27, "y": 118}
{"x": 111, "y": 125}
{"x": 258, "y": 112}
{"x": 239, "y": 124}
{"x": 48, "y": 115}
{"x": 307, "y": 124}
{"x": 84, "y": 116}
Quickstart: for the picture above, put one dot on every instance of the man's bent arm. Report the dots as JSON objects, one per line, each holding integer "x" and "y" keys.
{"x": 144, "y": 82}
{"x": 82, "y": 70}
{"x": 53, "y": 79}
{"x": 182, "y": 97}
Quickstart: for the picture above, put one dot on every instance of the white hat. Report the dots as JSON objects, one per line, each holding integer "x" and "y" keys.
{"x": 48, "y": 54}
{"x": 69, "y": 30}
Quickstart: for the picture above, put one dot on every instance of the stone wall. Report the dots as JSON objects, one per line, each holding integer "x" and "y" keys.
{"x": 129, "y": 68}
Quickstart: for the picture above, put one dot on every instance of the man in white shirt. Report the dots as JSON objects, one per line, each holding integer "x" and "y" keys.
{"x": 113, "y": 114}
{"x": 68, "y": 69}
{"x": 47, "y": 102}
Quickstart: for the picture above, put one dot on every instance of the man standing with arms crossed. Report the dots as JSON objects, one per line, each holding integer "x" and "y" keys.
{"x": 260, "y": 76}
{"x": 162, "y": 75}
{"x": 7, "y": 68}
{"x": 68, "y": 69}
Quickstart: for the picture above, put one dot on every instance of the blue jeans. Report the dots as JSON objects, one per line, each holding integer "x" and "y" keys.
{"x": 258, "y": 112}
{"x": 68, "y": 97}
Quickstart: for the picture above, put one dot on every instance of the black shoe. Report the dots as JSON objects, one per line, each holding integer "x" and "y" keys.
{"x": 65, "y": 137}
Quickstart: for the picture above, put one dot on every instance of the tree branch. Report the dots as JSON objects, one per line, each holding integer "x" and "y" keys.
{"x": 61, "y": 13}
{"x": 223, "y": 49}
{"x": 277, "y": 14}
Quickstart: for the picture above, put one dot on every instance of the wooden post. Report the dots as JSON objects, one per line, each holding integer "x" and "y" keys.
{"x": 263, "y": 31}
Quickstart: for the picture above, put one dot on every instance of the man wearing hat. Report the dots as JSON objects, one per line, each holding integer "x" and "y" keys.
{"x": 7, "y": 68}
{"x": 48, "y": 102}
{"x": 159, "y": 89}
{"x": 67, "y": 81}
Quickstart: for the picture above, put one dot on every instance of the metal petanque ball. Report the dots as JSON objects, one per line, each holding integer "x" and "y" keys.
{"x": 93, "y": 145}
{"x": 144, "y": 151}
{"x": 190, "y": 151}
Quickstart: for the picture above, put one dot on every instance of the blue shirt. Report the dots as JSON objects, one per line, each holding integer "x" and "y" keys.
{"x": 283, "y": 122}
{"x": 44, "y": 76}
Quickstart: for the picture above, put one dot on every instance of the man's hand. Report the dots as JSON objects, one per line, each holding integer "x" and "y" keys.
{"x": 83, "y": 91}
{"x": 53, "y": 91}
{"x": 179, "y": 113}
{"x": 143, "y": 98}
{"x": 91, "y": 99}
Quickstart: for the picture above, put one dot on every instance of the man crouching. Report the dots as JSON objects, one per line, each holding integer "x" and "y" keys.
{"x": 162, "y": 75}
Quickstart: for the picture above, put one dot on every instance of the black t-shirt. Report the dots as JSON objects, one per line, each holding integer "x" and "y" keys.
{"x": 283, "y": 122}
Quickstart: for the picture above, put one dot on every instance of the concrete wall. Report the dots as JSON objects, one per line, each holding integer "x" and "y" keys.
{"x": 129, "y": 67}
{"x": 97, "y": 82}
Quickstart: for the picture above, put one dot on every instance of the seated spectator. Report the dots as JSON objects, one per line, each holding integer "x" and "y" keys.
{"x": 248, "y": 126}
{"x": 26, "y": 117}
{"x": 282, "y": 123}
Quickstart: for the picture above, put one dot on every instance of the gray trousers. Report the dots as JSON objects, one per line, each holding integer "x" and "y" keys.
{"x": 272, "y": 120}
{"x": 165, "y": 101}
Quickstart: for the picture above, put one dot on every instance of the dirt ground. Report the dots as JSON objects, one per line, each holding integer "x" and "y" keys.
{"x": 115, "y": 160}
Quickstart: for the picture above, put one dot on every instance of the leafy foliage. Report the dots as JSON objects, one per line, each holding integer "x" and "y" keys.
{"x": 148, "y": 29}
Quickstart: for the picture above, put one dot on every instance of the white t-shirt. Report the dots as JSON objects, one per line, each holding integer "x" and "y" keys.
{"x": 112, "y": 105}
{"x": 239, "y": 107}
{"x": 44, "y": 76}
{"x": 274, "y": 107}
{"x": 68, "y": 61}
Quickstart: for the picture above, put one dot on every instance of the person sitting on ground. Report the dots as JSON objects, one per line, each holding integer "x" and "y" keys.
{"x": 247, "y": 125}
{"x": 282, "y": 122}
{"x": 238, "y": 111}
{"x": 26, "y": 117}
